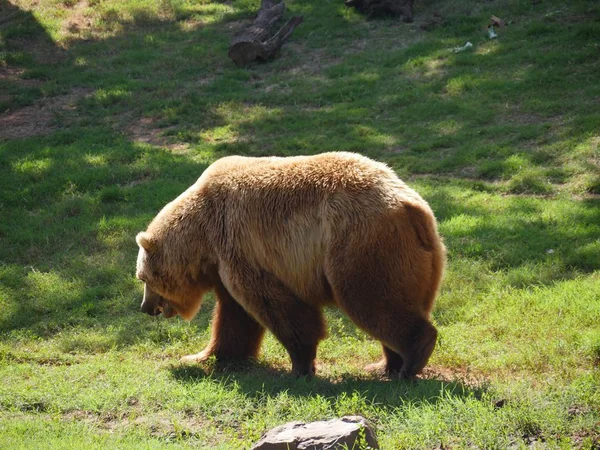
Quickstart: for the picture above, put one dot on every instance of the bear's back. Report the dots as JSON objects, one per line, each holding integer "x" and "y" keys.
{"x": 326, "y": 172}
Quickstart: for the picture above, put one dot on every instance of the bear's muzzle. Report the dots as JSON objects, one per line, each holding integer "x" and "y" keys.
{"x": 154, "y": 304}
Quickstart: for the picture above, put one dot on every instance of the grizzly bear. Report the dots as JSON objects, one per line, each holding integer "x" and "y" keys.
{"x": 278, "y": 238}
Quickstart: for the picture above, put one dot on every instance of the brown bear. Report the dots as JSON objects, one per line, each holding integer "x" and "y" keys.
{"x": 277, "y": 238}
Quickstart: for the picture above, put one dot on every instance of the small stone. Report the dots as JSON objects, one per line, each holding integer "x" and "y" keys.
{"x": 499, "y": 403}
{"x": 330, "y": 434}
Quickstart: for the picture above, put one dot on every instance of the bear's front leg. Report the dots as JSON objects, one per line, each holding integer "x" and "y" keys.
{"x": 299, "y": 326}
{"x": 235, "y": 335}
{"x": 391, "y": 364}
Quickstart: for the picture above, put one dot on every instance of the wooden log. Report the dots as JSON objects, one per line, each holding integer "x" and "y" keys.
{"x": 376, "y": 8}
{"x": 259, "y": 41}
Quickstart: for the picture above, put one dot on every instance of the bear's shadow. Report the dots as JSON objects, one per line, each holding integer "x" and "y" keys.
{"x": 256, "y": 379}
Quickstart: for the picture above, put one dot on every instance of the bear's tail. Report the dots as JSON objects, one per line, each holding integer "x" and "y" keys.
{"x": 425, "y": 226}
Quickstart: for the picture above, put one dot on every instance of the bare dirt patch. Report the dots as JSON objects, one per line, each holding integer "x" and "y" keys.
{"x": 308, "y": 61}
{"x": 589, "y": 437}
{"x": 14, "y": 75}
{"x": 356, "y": 46}
{"x": 515, "y": 116}
{"x": 156, "y": 424}
{"x": 79, "y": 21}
{"x": 454, "y": 375}
{"x": 37, "y": 119}
{"x": 146, "y": 131}
{"x": 458, "y": 375}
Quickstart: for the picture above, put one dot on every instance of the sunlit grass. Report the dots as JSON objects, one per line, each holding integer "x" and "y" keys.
{"x": 502, "y": 141}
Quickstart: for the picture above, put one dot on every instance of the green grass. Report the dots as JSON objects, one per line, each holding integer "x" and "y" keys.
{"x": 502, "y": 140}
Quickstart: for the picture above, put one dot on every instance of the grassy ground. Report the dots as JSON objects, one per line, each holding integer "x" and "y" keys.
{"x": 109, "y": 109}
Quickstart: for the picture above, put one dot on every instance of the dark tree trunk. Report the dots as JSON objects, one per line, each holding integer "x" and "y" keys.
{"x": 374, "y": 8}
{"x": 259, "y": 41}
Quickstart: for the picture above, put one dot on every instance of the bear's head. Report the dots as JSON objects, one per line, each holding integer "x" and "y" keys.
{"x": 172, "y": 286}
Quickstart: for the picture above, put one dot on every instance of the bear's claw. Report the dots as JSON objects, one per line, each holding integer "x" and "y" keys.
{"x": 197, "y": 358}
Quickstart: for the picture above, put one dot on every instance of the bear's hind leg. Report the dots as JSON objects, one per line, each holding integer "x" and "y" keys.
{"x": 408, "y": 339}
{"x": 410, "y": 336}
{"x": 235, "y": 335}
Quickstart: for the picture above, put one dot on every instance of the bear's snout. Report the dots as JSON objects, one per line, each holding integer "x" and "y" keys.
{"x": 151, "y": 309}
{"x": 153, "y": 304}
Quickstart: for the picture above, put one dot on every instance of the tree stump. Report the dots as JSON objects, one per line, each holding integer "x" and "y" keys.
{"x": 375, "y": 8}
{"x": 258, "y": 40}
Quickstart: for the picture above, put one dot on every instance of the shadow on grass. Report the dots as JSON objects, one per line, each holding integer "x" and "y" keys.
{"x": 23, "y": 35}
{"x": 258, "y": 380}
{"x": 25, "y": 47}
{"x": 75, "y": 213}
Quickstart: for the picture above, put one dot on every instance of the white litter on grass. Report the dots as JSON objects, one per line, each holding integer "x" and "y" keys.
{"x": 467, "y": 46}
{"x": 492, "y": 33}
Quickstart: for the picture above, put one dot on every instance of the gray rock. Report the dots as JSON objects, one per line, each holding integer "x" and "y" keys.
{"x": 323, "y": 435}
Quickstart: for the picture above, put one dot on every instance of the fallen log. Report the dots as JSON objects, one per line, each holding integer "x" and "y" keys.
{"x": 376, "y": 8}
{"x": 258, "y": 41}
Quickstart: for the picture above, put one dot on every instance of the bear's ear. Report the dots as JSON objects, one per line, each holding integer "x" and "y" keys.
{"x": 145, "y": 241}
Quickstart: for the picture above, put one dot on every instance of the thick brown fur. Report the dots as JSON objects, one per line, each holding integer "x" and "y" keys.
{"x": 278, "y": 238}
